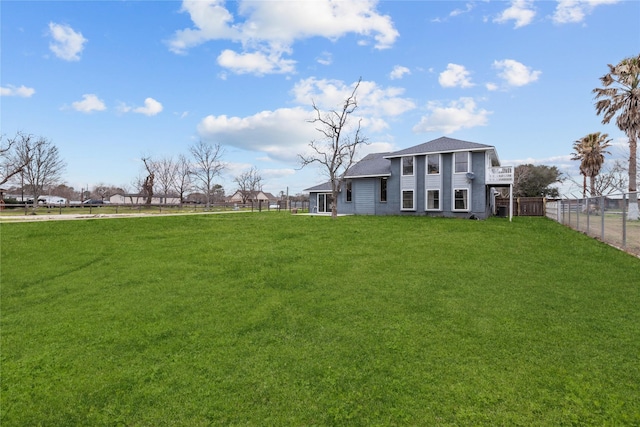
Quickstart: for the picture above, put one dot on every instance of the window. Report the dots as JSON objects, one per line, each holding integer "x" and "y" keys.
{"x": 383, "y": 189}
{"x": 433, "y": 200}
{"x": 407, "y": 166}
{"x": 407, "y": 199}
{"x": 461, "y": 200}
{"x": 462, "y": 162}
{"x": 325, "y": 202}
{"x": 433, "y": 164}
{"x": 349, "y": 192}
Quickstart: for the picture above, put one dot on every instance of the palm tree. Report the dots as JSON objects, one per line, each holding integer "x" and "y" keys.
{"x": 620, "y": 95}
{"x": 590, "y": 150}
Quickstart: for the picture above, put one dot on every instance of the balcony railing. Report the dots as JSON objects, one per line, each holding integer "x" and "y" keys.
{"x": 500, "y": 175}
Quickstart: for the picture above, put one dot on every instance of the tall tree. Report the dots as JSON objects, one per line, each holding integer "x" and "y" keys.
{"x": 590, "y": 150}
{"x": 182, "y": 183}
{"x": 44, "y": 168}
{"x": 207, "y": 165}
{"x": 620, "y": 97}
{"x": 166, "y": 174}
{"x": 335, "y": 152}
{"x": 536, "y": 181}
{"x": 149, "y": 181}
{"x": 249, "y": 183}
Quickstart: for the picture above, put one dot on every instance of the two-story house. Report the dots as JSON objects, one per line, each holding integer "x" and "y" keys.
{"x": 443, "y": 177}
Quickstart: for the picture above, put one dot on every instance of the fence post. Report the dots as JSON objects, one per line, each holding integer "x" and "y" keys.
{"x": 602, "y": 217}
{"x": 588, "y": 214}
{"x": 624, "y": 220}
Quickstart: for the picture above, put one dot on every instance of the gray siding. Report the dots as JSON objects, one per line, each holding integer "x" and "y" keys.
{"x": 364, "y": 196}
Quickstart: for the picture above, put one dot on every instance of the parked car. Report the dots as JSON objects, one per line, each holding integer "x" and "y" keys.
{"x": 94, "y": 202}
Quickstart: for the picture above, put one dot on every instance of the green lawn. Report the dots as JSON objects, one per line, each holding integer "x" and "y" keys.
{"x": 274, "y": 319}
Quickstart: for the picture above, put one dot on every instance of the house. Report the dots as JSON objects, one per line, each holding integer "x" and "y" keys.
{"x": 141, "y": 199}
{"x": 443, "y": 177}
{"x": 252, "y": 197}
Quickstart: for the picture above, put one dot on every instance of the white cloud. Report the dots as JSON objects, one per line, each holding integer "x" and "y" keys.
{"x": 268, "y": 174}
{"x": 256, "y": 62}
{"x": 67, "y": 44}
{"x": 520, "y": 11}
{"x": 212, "y": 21}
{"x": 572, "y": 11}
{"x": 491, "y": 86}
{"x": 457, "y": 115}
{"x": 22, "y": 91}
{"x": 373, "y": 101}
{"x": 515, "y": 73}
{"x": 284, "y": 133}
{"x": 280, "y": 134}
{"x": 468, "y": 8}
{"x": 455, "y": 76}
{"x": 267, "y": 30}
{"x": 399, "y": 72}
{"x": 151, "y": 107}
{"x": 89, "y": 103}
{"x": 325, "y": 59}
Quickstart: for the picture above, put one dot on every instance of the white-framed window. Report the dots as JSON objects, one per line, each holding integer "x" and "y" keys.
{"x": 349, "y": 191}
{"x": 433, "y": 164}
{"x": 461, "y": 161}
{"x": 407, "y": 200}
{"x": 461, "y": 199}
{"x": 407, "y": 166}
{"x": 433, "y": 200}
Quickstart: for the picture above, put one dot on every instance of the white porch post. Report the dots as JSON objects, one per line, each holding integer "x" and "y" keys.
{"x": 510, "y": 202}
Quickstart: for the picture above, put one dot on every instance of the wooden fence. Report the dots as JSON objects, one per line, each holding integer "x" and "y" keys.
{"x": 524, "y": 206}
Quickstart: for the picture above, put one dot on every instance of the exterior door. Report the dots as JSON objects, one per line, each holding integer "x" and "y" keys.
{"x": 325, "y": 202}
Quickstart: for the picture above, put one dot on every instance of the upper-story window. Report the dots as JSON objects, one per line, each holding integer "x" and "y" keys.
{"x": 433, "y": 164}
{"x": 462, "y": 162}
{"x": 349, "y": 191}
{"x": 407, "y": 165}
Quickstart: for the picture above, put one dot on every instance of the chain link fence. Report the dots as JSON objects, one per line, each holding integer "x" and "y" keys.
{"x": 605, "y": 218}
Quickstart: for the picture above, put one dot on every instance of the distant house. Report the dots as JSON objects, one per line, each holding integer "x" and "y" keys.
{"x": 443, "y": 177}
{"x": 140, "y": 199}
{"x": 253, "y": 197}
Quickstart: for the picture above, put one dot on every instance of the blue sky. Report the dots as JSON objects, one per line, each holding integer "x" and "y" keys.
{"x": 112, "y": 81}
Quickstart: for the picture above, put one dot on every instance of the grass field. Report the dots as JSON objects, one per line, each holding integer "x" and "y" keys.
{"x": 274, "y": 319}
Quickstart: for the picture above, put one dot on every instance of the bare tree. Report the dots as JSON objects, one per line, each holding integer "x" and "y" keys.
{"x": 207, "y": 165}
{"x": 15, "y": 154}
{"x": 166, "y": 171}
{"x": 249, "y": 183}
{"x": 147, "y": 185}
{"x": 612, "y": 179}
{"x": 182, "y": 182}
{"x": 44, "y": 166}
{"x": 336, "y": 150}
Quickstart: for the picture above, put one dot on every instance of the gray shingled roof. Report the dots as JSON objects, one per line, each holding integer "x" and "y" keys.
{"x": 441, "y": 145}
{"x": 326, "y": 186}
{"x": 373, "y": 164}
